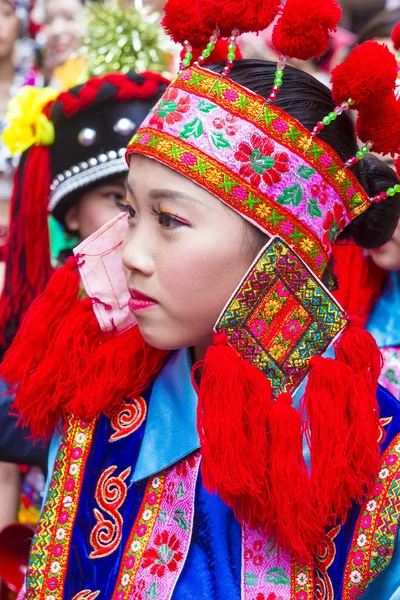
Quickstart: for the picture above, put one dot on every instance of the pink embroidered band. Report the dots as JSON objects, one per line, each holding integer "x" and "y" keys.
{"x": 255, "y": 158}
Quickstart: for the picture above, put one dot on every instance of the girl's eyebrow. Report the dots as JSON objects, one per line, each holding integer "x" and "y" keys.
{"x": 171, "y": 195}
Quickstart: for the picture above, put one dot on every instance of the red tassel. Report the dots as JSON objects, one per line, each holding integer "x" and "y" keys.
{"x": 234, "y": 400}
{"x": 381, "y": 125}
{"x": 396, "y": 37}
{"x": 244, "y": 15}
{"x": 28, "y": 267}
{"x": 220, "y": 53}
{"x": 182, "y": 21}
{"x": 343, "y": 418}
{"x": 61, "y": 362}
{"x": 367, "y": 76}
{"x": 291, "y": 515}
{"x": 360, "y": 281}
{"x": 303, "y": 30}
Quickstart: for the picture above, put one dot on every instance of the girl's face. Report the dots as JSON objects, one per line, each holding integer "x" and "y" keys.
{"x": 388, "y": 256}
{"x": 9, "y": 29}
{"x": 185, "y": 252}
{"x": 62, "y": 29}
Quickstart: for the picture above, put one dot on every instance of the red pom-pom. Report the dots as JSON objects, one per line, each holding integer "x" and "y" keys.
{"x": 397, "y": 166}
{"x": 303, "y": 30}
{"x": 182, "y": 21}
{"x": 244, "y": 15}
{"x": 220, "y": 53}
{"x": 382, "y": 126}
{"x": 396, "y": 36}
{"x": 367, "y": 75}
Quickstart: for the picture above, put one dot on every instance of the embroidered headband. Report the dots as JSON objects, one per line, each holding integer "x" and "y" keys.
{"x": 254, "y": 157}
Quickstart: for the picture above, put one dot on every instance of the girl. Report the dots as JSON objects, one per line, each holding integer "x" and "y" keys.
{"x": 231, "y": 211}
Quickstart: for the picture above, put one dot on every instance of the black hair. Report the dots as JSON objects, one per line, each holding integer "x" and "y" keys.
{"x": 308, "y": 100}
{"x": 380, "y": 26}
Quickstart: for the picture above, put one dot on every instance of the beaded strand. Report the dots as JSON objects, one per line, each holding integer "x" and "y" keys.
{"x": 280, "y": 67}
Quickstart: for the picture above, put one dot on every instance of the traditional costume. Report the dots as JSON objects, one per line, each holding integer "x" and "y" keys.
{"x": 277, "y": 477}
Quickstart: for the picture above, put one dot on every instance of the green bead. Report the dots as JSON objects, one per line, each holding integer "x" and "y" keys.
{"x": 186, "y": 62}
{"x": 278, "y": 81}
{"x": 332, "y": 115}
{"x": 326, "y": 120}
{"x": 391, "y": 192}
{"x": 206, "y": 53}
{"x": 278, "y": 73}
{"x": 231, "y": 56}
{"x": 231, "y": 47}
{"x": 365, "y": 149}
{"x": 360, "y": 155}
{"x": 188, "y": 56}
{"x": 397, "y": 188}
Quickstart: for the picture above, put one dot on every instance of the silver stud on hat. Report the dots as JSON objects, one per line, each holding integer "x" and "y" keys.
{"x": 87, "y": 137}
{"x": 124, "y": 126}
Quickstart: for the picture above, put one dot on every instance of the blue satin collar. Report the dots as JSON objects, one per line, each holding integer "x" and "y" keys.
{"x": 384, "y": 322}
{"x": 171, "y": 431}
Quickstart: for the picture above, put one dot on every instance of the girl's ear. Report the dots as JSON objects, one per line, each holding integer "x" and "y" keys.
{"x": 72, "y": 218}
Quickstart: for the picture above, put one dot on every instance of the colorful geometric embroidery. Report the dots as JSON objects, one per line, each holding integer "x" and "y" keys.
{"x": 129, "y": 418}
{"x": 280, "y": 316}
{"x": 50, "y": 547}
{"x": 265, "y": 574}
{"x": 376, "y": 531}
{"x": 254, "y": 157}
{"x": 160, "y": 539}
{"x": 302, "y": 584}
{"x": 110, "y": 495}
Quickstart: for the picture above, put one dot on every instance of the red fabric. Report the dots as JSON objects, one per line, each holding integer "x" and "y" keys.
{"x": 303, "y": 29}
{"x": 397, "y": 166}
{"x": 381, "y": 125}
{"x": 366, "y": 76}
{"x": 60, "y": 359}
{"x": 244, "y": 15}
{"x": 28, "y": 267}
{"x": 360, "y": 281}
{"x": 182, "y": 21}
{"x": 396, "y": 36}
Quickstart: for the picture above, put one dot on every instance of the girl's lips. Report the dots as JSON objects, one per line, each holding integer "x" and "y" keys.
{"x": 139, "y": 301}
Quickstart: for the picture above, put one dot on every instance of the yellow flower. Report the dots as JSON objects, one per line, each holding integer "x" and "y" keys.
{"x": 271, "y": 308}
{"x": 304, "y": 142}
{"x": 27, "y": 123}
{"x": 341, "y": 176}
{"x": 306, "y": 245}
{"x": 263, "y": 211}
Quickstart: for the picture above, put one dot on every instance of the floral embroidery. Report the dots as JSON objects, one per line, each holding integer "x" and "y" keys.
{"x": 170, "y": 109}
{"x": 261, "y": 161}
{"x": 230, "y": 124}
{"x": 333, "y": 224}
{"x": 166, "y": 555}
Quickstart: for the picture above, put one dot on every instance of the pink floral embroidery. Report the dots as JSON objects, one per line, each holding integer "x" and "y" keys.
{"x": 291, "y": 329}
{"x": 280, "y": 125}
{"x": 326, "y": 160}
{"x": 230, "y": 95}
{"x": 261, "y": 162}
{"x": 258, "y": 327}
{"x": 166, "y": 554}
{"x": 170, "y": 109}
{"x": 320, "y": 191}
{"x": 229, "y": 123}
{"x": 239, "y": 193}
{"x": 333, "y": 224}
{"x": 286, "y": 227}
{"x": 188, "y": 159}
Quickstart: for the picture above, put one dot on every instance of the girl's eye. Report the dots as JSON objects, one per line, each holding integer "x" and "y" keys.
{"x": 125, "y": 208}
{"x": 168, "y": 220}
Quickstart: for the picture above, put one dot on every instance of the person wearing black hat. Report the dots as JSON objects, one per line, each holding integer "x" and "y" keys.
{"x": 72, "y": 167}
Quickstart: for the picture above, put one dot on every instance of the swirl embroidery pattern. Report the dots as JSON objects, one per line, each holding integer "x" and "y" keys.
{"x": 86, "y": 595}
{"x": 111, "y": 493}
{"x": 129, "y": 418}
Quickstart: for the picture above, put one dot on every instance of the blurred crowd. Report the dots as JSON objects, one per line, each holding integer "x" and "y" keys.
{"x": 54, "y": 45}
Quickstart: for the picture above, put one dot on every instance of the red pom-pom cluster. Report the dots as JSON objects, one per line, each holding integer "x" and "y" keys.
{"x": 243, "y": 15}
{"x": 381, "y": 125}
{"x": 396, "y": 37}
{"x": 182, "y": 21}
{"x": 303, "y": 30}
{"x": 367, "y": 75}
{"x": 219, "y": 53}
